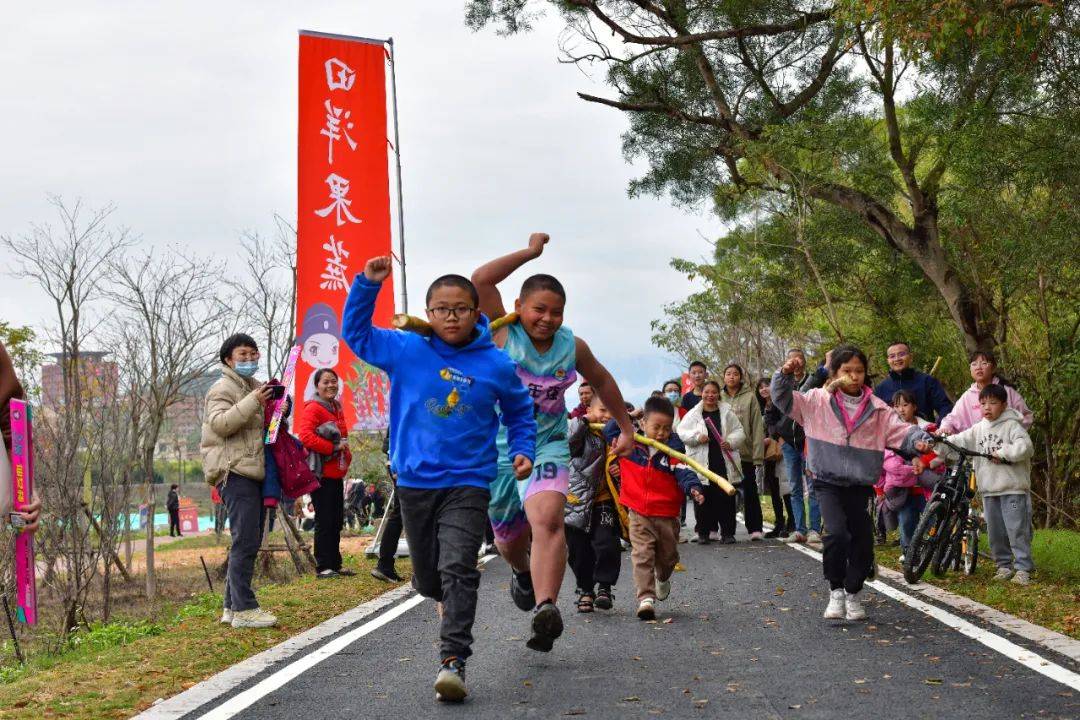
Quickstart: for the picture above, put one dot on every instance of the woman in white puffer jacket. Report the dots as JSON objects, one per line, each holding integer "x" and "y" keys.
{"x": 717, "y": 454}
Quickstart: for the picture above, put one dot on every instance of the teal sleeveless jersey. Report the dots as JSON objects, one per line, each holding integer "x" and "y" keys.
{"x": 547, "y": 377}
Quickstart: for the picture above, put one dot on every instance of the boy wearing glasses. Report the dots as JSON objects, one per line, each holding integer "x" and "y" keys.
{"x": 443, "y": 422}
{"x": 930, "y": 397}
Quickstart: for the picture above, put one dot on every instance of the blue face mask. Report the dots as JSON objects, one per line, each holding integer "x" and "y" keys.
{"x": 247, "y": 369}
{"x": 673, "y": 397}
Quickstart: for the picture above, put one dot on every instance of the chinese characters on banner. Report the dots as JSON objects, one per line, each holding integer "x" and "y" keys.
{"x": 343, "y": 209}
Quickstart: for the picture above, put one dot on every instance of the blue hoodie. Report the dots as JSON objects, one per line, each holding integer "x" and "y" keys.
{"x": 444, "y": 400}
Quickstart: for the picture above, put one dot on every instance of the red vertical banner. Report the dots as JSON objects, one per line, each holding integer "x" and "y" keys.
{"x": 343, "y": 212}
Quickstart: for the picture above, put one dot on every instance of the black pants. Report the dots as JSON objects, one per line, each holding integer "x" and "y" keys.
{"x": 329, "y": 501}
{"x": 594, "y": 556}
{"x": 751, "y": 504}
{"x": 243, "y": 500}
{"x": 707, "y": 514}
{"x": 849, "y": 534}
{"x": 391, "y": 534}
{"x": 445, "y": 529}
{"x": 772, "y": 486}
{"x": 174, "y": 521}
{"x": 751, "y": 499}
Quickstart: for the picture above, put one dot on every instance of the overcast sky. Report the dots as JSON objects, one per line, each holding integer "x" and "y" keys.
{"x": 184, "y": 116}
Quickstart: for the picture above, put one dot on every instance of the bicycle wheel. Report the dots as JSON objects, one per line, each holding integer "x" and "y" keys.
{"x": 924, "y": 543}
{"x": 948, "y": 548}
{"x": 971, "y": 549}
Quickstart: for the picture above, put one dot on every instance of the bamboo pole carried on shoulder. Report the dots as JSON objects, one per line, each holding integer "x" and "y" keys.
{"x": 683, "y": 458}
{"x": 411, "y": 323}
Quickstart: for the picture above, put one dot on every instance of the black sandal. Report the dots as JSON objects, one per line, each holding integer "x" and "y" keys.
{"x": 585, "y": 603}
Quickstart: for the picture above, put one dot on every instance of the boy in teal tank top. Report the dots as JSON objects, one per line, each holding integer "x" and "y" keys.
{"x": 527, "y": 515}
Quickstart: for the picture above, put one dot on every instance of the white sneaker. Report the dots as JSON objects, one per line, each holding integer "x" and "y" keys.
{"x": 1022, "y": 577}
{"x": 795, "y": 538}
{"x": 855, "y": 609}
{"x": 837, "y": 607}
{"x": 663, "y": 589}
{"x": 714, "y": 536}
{"x": 226, "y": 617}
{"x": 901, "y": 559}
{"x": 254, "y": 618}
{"x": 755, "y": 536}
{"x": 646, "y": 609}
{"x": 813, "y": 537}
{"x": 1003, "y": 573}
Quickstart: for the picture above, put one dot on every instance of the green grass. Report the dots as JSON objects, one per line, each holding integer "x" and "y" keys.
{"x": 118, "y": 669}
{"x": 1052, "y": 600}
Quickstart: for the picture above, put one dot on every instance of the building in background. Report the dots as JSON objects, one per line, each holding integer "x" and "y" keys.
{"x": 98, "y": 378}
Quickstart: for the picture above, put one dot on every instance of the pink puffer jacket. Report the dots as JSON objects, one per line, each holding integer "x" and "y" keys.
{"x": 843, "y": 451}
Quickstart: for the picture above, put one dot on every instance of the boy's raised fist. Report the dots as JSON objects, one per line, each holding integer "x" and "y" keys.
{"x": 378, "y": 269}
{"x": 537, "y": 241}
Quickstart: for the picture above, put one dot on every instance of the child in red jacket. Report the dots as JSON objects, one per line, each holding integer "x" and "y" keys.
{"x": 653, "y": 490}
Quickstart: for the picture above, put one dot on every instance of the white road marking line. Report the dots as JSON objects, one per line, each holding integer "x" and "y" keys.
{"x": 1062, "y": 644}
{"x": 995, "y": 642}
{"x": 217, "y": 685}
{"x": 276, "y": 680}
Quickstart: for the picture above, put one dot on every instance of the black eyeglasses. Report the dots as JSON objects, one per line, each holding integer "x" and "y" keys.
{"x": 442, "y": 313}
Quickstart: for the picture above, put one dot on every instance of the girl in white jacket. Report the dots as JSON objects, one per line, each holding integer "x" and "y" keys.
{"x": 715, "y": 450}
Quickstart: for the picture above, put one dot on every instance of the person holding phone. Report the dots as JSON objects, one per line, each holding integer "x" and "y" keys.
{"x": 234, "y": 462}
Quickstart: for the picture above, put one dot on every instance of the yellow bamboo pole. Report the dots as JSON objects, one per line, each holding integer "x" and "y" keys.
{"x": 410, "y": 323}
{"x": 683, "y": 458}
{"x": 936, "y": 363}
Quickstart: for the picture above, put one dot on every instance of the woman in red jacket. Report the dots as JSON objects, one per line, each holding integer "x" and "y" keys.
{"x": 323, "y": 432}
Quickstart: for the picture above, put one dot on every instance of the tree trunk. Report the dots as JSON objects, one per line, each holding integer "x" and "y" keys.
{"x": 151, "y": 573}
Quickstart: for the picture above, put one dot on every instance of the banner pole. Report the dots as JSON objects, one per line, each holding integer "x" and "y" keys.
{"x": 397, "y": 160}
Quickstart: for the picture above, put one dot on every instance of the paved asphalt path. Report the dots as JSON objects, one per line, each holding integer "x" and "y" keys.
{"x": 741, "y": 637}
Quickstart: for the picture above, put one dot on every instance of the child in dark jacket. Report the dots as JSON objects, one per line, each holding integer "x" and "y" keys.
{"x": 653, "y": 489}
{"x": 592, "y": 522}
{"x": 443, "y": 421}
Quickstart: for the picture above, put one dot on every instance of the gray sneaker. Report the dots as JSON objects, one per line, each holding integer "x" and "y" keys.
{"x": 254, "y": 618}
{"x": 1003, "y": 573}
{"x": 813, "y": 537}
{"x": 226, "y": 617}
{"x": 1022, "y": 577}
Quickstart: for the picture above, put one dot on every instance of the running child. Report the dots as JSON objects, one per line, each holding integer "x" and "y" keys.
{"x": 1004, "y": 482}
{"x": 847, "y": 430}
{"x": 592, "y": 521}
{"x": 528, "y": 516}
{"x": 654, "y": 488}
{"x": 443, "y": 422}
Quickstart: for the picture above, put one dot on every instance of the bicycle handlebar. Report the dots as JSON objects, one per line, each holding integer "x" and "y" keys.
{"x": 943, "y": 439}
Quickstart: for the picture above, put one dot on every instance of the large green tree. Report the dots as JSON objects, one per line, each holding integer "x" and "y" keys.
{"x": 867, "y": 106}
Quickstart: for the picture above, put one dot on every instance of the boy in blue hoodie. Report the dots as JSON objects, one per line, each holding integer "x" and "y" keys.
{"x": 443, "y": 421}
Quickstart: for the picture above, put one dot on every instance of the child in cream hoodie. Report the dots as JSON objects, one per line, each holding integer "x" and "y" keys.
{"x": 1004, "y": 482}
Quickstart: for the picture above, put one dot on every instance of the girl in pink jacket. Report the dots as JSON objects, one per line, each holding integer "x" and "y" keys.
{"x": 967, "y": 411}
{"x": 847, "y": 432}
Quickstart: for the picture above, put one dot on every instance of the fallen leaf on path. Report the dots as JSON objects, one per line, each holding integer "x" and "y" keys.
{"x": 668, "y": 621}
{"x": 701, "y": 703}
{"x": 794, "y": 707}
{"x": 575, "y": 711}
{"x": 860, "y": 681}
{"x": 933, "y": 681}
{"x": 632, "y": 698}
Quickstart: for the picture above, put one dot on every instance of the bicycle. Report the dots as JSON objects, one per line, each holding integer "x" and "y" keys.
{"x": 948, "y": 531}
